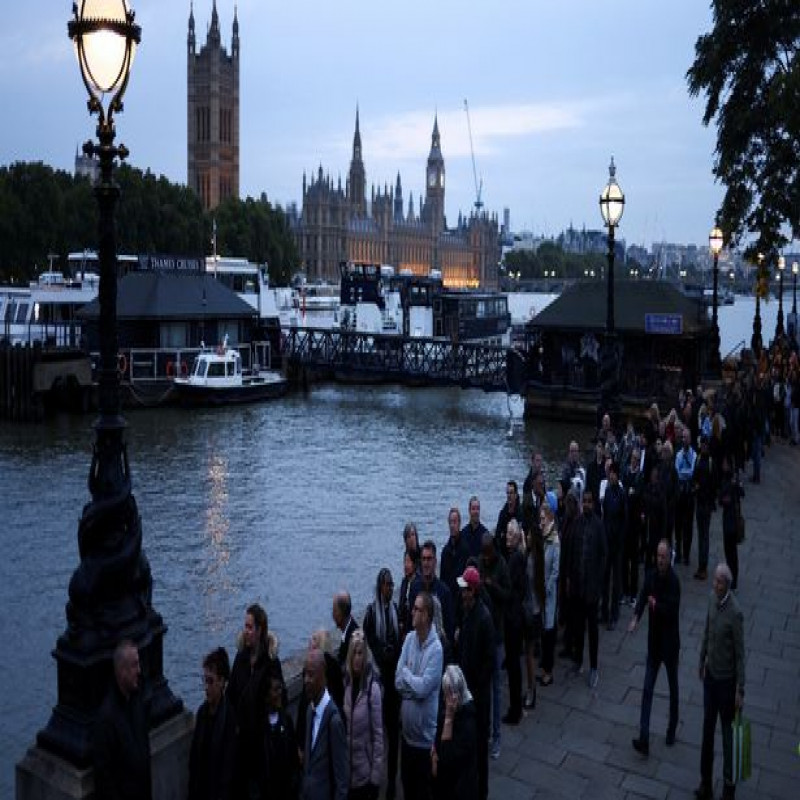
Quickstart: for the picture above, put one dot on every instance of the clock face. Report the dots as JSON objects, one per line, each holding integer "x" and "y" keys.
{"x": 432, "y": 178}
{"x": 441, "y": 180}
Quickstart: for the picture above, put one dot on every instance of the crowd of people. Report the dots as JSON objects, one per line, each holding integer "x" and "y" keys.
{"x": 415, "y": 690}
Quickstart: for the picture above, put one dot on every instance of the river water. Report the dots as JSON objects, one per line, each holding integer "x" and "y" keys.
{"x": 281, "y": 503}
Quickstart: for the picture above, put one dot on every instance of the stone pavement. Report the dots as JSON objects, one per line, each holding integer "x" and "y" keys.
{"x": 577, "y": 742}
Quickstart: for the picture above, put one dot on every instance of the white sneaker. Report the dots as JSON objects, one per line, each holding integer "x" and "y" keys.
{"x": 494, "y": 750}
{"x": 594, "y": 678}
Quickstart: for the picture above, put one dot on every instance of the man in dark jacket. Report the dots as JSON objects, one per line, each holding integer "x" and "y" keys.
{"x": 511, "y": 510}
{"x": 476, "y": 659}
{"x": 472, "y": 532}
{"x": 121, "y": 737}
{"x": 615, "y": 513}
{"x": 584, "y": 580}
{"x": 661, "y": 594}
{"x": 454, "y": 554}
{"x": 441, "y": 595}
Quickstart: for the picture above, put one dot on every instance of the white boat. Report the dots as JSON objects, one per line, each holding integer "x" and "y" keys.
{"x": 217, "y": 378}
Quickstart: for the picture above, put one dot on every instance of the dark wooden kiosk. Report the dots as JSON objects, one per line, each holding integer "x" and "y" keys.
{"x": 662, "y": 336}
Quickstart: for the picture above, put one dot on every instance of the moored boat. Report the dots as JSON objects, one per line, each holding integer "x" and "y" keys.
{"x": 217, "y": 378}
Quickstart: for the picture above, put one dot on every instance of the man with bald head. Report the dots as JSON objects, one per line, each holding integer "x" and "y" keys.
{"x": 722, "y": 672}
{"x": 661, "y": 595}
{"x": 325, "y": 767}
{"x": 121, "y": 736}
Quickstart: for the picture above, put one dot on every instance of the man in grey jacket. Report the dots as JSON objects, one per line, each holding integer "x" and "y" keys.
{"x": 325, "y": 753}
{"x": 418, "y": 679}
{"x": 722, "y": 673}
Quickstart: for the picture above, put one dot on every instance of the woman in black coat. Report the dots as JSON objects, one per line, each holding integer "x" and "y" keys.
{"x": 247, "y": 695}
{"x": 454, "y": 759}
{"x": 211, "y": 758}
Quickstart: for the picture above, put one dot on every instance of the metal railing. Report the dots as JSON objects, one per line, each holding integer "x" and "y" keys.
{"x": 421, "y": 361}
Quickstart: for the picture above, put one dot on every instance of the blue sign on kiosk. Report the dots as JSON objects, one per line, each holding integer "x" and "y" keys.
{"x": 671, "y": 324}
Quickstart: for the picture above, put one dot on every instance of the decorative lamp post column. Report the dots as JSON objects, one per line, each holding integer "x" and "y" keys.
{"x": 612, "y": 204}
{"x": 110, "y": 593}
{"x": 715, "y": 241}
{"x": 756, "y": 343}
{"x": 792, "y": 326}
{"x": 779, "y": 325}
{"x": 795, "y": 268}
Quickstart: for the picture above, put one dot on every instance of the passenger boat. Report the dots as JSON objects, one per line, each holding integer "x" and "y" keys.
{"x": 217, "y": 378}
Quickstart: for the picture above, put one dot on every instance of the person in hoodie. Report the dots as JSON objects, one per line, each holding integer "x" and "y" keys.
{"x": 615, "y": 520}
{"x": 418, "y": 680}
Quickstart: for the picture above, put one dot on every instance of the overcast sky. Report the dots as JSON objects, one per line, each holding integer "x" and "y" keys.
{"x": 554, "y": 90}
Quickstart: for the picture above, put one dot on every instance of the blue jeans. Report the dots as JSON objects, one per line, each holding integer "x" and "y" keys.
{"x": 496, "y": 681}
{"x": 650, "y": 676}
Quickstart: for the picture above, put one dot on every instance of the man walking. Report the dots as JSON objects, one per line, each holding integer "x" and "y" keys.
{"x": 661, "y": 594}
{"x": 121, "y": 737}
{"x": 722, "y": 673}
{"x": 418, "y": 679}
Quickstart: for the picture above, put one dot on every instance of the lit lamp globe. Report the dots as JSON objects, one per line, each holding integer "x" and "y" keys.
{"x": 105, "y": 39}
{"x": 612, "y": 200}
{"x": 715, "y": 241}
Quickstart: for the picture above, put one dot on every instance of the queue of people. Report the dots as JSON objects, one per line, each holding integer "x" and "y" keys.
{"x": 415, "y": 691}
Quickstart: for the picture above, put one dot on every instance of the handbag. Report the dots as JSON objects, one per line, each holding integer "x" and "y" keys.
{"x": 742, "y": 755}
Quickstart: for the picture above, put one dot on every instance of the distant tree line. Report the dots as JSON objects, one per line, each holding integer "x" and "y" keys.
{"x": 49, "y": 212}
{"x": 549, "y": 257}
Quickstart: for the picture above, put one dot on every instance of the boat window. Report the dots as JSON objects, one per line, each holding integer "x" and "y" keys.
{"x": 481, "y": 312}
{"x": 216, "y": 369}
{"x": 229, "y": 368}
{"x": 22, "y": 312}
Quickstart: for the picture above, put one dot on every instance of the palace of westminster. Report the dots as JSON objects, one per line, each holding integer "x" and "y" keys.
{"x": 335, "y": 223}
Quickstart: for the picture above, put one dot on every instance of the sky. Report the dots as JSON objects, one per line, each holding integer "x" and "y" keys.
{"x": 554, "y": 90}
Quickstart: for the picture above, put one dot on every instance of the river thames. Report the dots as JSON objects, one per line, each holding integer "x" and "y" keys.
{"x": 281, "y": 503}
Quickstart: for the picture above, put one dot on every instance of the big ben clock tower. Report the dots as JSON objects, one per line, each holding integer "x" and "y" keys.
{"x": 434, "y": 183}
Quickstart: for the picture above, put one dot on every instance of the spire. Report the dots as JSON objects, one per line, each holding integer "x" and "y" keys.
{"x": 190, "y": 39}
{"x": 214, "y": 15}
{"x": 357, "y": 139}
{"x": 235, "y": 42}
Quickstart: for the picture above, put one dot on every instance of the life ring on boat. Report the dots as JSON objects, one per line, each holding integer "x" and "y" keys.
{"x": 184, "y": 369}
{"x": 122, "y": 364}
{"x": 170, "y": 369}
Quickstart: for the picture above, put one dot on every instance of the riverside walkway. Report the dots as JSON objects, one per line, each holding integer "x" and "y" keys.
{"x": 577, "y": 742}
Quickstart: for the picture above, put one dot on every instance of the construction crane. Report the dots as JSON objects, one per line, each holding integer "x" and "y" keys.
{"x": 478, "y": 185}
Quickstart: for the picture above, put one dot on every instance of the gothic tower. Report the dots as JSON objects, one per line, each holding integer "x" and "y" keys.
{"x": 213, "y": 114}
{"x": 357, "y": 177}
{"x": 434, "y": 183}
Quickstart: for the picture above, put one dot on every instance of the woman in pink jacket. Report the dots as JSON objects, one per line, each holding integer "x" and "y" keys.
{"x": 362, "y": 709}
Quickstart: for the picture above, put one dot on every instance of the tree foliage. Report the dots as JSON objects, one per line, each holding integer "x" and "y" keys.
{"x": 747, "y": 69}
{"x": 45, "y": 211}
{"x": 549, "y": 256}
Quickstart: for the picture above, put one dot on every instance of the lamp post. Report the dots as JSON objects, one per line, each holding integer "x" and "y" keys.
{"x": 715, "y": 241}
{"x": 756, "y": 343}
{"x": 612, "y": 204}
{"x": 110, "y": 593}
{"x": 795, "y": 268}
{"x": 779, "y": 324}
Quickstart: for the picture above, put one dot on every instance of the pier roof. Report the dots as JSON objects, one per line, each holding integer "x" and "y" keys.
{"x": 173, "y": 295}
{"x": 582, "y": 306}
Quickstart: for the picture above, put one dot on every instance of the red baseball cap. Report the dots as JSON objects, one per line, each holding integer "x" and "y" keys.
{"x": 471, "y": 578}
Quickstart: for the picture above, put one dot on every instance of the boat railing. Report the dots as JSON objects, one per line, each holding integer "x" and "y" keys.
{"x": 153, "y": 365}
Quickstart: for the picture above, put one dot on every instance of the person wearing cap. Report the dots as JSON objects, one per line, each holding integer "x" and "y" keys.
{"x": 615, "y": 513}
{"x": 552, "y": 557}
{"x": 476, "y": 651}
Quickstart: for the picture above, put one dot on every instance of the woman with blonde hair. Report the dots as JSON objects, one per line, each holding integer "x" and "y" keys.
{"x": 362, "y": 709}
{"x": 454, "y": 763}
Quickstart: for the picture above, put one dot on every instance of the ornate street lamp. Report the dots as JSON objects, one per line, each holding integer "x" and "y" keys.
{"x": 612, "y": 204}
{"x": 110, "y": 593}
{"x": 715, "y": 242}
{"x": 779, "y": 324}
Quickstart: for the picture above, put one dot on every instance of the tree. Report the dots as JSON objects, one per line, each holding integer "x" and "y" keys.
{"x": 748, "y": 70}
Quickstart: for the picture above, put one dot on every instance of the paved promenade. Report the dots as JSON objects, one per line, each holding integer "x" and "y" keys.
{"x": 577, "y": 742}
